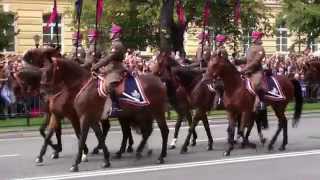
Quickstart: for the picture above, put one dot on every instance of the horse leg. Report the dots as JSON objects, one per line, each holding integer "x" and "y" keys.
{"x": 58, "y": 149}
{"x": 258, "y": 121}
{"x": 42, "y": 130}
{"x": 250, "y": 116}
{"x": 231, "y": 132}
{"x": 162, "y": 124}
{"x": 125, "y": 135}
{"x": 130, "y": 140}
{"x": 176, "y": 130}
{"x": 82, "y": 141}
{"x": 146, "y": 132}
{"x": 207, "y": 128}
{"x": 76, "y": 126}
{"x": 105, "y": 124}
{"x": 52, "y": 126}
{"x": 194, "y": 133}
{"x": 101, "y": 139}
{"x": 194, "y": 124}
{"x": 281, "y": 118}
{"x": 283, "y": 124}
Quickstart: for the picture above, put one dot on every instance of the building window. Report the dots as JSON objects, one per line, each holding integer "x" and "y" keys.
{"x": 9, "y": 31}
{"x": 315, "y": 45}
{"x": 50, "y": 33}
{"x": 282, "y": 39}
{"x": 246, "y": 42}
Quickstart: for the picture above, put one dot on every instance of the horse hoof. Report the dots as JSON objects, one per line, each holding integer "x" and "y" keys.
{"x": 252, "y": 145}
{"x": 95, "y": 151}
{"x": 118, "y": 155}
{"x": 210, "y": 148}
{"x": 149, "y": 153}
{"x": 55, "y": 155}
{"x": 263, "y": 141}
{"x": 160, "y": 161}
{"x": 270, "y": 148}
{"x": 172, "y": 147}
{"x": 226, "y": 153}
{"x": 74, "y": 168}
{"x": 194, "y": 142}
{"x": 84, "y": 158}
{"x": 184, "y": 150}
{"x": 130, "y": 149}
{"x": 106, "y": 164}
{"x": 39, "y": 160}
{"x": 138, "y": 155}
{"x": 282, "y": 148}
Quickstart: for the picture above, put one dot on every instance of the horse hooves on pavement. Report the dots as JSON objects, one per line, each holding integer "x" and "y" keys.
{"x": 226, "y": 153}
{"x": 106, "y": 164}
{"x": 172, "y": 147}
{"x": 160, "y": 161}
{"x": 194, "y": 142}
{"x": 95, "y": 151}
{"x": 39, "y": 160}
{"x": 210, "y": 148}
{"x": 282, "y": 148}
{"x": 149, "y": 153}
{"x": 130, "y": 149}
{"x": 184, "y": 150}
{"x": 55, "y": 155}
{"x": 74, "y": 168}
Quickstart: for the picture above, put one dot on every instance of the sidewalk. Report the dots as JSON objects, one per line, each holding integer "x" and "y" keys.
{"x": 22, "y": 132}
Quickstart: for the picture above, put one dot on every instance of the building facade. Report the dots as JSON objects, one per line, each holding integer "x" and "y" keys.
{"x": 30, "y": 18}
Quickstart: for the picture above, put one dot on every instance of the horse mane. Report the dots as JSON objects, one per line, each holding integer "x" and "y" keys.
{"x": 187, "y": 77}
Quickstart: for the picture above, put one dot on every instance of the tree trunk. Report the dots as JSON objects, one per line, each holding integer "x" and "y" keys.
{"x": 166, "y": 24}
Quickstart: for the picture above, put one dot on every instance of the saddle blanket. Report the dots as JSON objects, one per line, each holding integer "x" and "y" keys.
{"x": 132, "y": 94}
{"x": 274, "y": 90}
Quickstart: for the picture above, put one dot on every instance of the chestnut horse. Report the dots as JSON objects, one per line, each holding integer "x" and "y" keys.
{"x": 186, "y": 91}
{"x": 89, "y": 106}
{"x": 239, "y": 101}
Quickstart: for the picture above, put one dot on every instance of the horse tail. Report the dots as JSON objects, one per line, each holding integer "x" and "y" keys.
{"x": 298, "y": 102}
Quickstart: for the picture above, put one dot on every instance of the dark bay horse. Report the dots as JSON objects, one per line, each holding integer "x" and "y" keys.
{"x": 311, "y": 71}
{"x": 186, "y": 91}
{"x": 89, "y": 105}
{"x": 239, "y": 102}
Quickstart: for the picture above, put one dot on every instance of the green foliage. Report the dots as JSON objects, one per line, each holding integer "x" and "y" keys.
{"x": 140, "y": 18}
{"x": 302, "y": 17}
{"x": 6, "y": 30}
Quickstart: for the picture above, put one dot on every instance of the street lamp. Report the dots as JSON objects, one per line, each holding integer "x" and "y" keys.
{"x": 36, "y": 39}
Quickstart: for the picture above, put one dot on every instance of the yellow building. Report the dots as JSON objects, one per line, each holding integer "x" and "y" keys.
{"x": 31, "y": 17}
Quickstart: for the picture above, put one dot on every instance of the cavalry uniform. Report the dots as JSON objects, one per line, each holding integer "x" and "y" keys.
{"x": 254, "y": 68}
{"x": 113, "y": 63}
{"x": 92, "y": 56}
{"x": 79, "y": 55}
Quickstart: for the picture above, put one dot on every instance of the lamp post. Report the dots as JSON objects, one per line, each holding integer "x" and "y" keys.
{"x": 36, "y": 39}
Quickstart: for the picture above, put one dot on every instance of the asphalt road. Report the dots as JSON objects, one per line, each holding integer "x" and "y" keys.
{"x": 301, "y": 160}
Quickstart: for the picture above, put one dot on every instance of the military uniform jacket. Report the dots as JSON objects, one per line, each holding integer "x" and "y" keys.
{"x": 254, "y": 59}
{"x": 81, "y": 54}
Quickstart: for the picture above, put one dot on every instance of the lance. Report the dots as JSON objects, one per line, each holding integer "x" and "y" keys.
{"x": 206, "y": 13}
{"x": 79, "y": 12}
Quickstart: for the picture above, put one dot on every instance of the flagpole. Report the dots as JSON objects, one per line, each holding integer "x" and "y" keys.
{"x": 96, "y": 28}
{"x": 57, "y": 26}
{"x": 79, "y": 12}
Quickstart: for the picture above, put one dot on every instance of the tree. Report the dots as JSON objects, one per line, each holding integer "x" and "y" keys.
{"x": 141, "y": 19}
{"x": 6, "y": 30}
{"x": 301, "y": 17}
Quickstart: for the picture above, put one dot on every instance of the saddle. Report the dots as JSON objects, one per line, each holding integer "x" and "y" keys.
{"x": 274, "y": 91}
{"x": 129, "y": 91}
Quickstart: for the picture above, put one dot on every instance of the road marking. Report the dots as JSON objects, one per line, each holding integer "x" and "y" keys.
{"x": 214, "y": 139}
{"x": 175, "y": 166}
{"x": 9, "y": 155}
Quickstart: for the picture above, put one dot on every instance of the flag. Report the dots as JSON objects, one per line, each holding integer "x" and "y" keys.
{"x": 237, "y": 12}
{"x": 78, "y": 5}
{"x": 206, "y": 13}
{"x": 180, "y": 13}
{"x": 99, "y": 10}
{"x": 54, "y": 14}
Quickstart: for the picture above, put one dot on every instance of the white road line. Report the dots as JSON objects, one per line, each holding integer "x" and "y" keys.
{"x": 9, "y": 155}
{"x": 175, "y": 166}
{"x": 214, "y": 139}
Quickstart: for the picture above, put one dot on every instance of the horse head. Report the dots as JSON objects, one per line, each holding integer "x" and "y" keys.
{"x": 162, "y": 66}
{"x": 41, "y": 57}
{"x": 217, "y": 64}
{"x": 51, "y": 74}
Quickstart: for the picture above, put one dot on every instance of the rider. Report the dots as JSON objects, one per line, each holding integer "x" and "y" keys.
{"x": 114, "y": 67}
{"x": 204, "y": 50}
{"x": 220, "y": 40}
{"x": 253, "y": 68}
{"x": 93, "y": 53}
{"x": 79, "y": 55}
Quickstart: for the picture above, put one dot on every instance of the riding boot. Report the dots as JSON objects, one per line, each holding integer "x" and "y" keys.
{"x": 113, "y": 95}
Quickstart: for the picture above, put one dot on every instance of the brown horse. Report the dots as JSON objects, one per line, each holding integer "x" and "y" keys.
{"x": 186, "y": 91}
{"x": 311, "y": 71}
{"x": 239, "y": 101}
{"x": 89, "y": 106}
{"x": 42, "y": 57}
